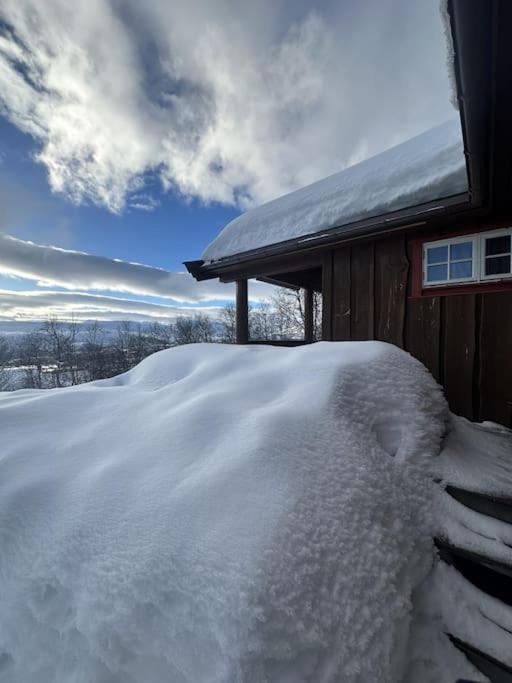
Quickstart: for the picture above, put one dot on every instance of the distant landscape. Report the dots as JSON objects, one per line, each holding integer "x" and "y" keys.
{"x": 55, "y": 353}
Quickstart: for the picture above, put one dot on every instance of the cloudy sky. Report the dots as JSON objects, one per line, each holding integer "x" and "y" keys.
{"x": 131, "y": 132}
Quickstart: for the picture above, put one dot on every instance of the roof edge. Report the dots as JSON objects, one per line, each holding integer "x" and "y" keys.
{"x": 411, "y": 217}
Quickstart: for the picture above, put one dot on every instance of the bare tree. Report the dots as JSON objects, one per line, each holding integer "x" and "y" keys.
{"x": 121, "y": 348}
{"x": 190, "y": 330}
{"x": 184, "y": 331}
{"x": 263, "y": 322}
{"x": 282, "y": 316}
{"x": 60, "y": 353}
{"x": 204, "y": 328}
{"x": 94, "y": 357}
{"x": 5, "y": 357}
{"x": 290, "y": 317}
{"x": 138, "y": 345}
{"x": 228, "y": 324}
{"x": 60, "y": 340}
{"x": 160, "y": 337}
{"x": 32, "y": 357}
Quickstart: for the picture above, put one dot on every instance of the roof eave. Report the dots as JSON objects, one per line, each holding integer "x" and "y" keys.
{"x": 410, "y": 217}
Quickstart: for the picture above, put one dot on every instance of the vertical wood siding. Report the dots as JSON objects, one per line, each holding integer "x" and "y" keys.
{"x": 342, "y": 307}
{"x": 362, "y": 299}
{"x": 465, "y": 340}
{"x": 423, "y": 332}
{"x": 458, "y": 346}
{"x": 391, "y": 274}
{"x": 495, "y": 358}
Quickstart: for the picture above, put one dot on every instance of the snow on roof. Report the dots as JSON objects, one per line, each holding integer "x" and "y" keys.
{"x": 169, "y": 525}
{"x": 428, "y": 167}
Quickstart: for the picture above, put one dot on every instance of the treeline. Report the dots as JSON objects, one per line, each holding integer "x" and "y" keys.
{"x": 62, "y": 354}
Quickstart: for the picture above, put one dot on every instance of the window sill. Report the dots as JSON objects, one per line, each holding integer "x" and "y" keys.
{"x": 482, "y": 287}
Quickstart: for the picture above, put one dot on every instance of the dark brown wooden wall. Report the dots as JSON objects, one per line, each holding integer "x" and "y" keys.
{"x": 465, "y": 340}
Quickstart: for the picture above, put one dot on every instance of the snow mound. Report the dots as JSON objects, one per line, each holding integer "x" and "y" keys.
{"x": 219, "y": 514}
{"x": 425, "y": 168}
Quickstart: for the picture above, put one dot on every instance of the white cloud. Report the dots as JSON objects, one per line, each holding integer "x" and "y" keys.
{"x": 234, "y": 102}
{"x": 39, "y": 305}
{"x": 76, "y": 270}
{"x": 144, "y": 202}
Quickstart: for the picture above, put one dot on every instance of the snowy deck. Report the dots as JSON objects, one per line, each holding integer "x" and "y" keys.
{"x": 202, "y": 519}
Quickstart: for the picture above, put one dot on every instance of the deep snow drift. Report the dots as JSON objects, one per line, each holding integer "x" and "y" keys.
{"x": 426, "y": 168}
{"x": 226, "y": 514}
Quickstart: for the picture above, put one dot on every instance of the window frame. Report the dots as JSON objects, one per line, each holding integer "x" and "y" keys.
{"x": 447, "y": 242}
{"x": 478, "y": 276}
{"x": 483, "y": 237}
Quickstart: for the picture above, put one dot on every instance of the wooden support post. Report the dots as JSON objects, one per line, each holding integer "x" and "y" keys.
{"x": 309, "y": 333}
{"x": 242, "y": 312}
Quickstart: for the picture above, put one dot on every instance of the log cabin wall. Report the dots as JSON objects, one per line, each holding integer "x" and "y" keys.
{"x": 465, "y": 340}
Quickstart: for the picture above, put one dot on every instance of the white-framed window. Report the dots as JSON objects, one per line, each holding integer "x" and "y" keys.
{"x": 450, "y": 261}
{"x": 469, "y": 258}
{"x": 496, "y": 260}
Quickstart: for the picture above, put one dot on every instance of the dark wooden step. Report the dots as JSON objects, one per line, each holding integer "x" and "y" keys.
{"x": 496, "y": 671}
{"x": 490, "y": 576}
{"x": 492, "y": 506}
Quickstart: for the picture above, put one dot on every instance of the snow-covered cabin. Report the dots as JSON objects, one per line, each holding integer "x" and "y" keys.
{"x": 413, "y": 246}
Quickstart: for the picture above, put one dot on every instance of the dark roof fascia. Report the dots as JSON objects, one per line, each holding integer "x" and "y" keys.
{"x": 500, "y": 181}
{"x": 196, "y": 270}
{"x": 474, "y": 35}
{"x": 400, "y": 220}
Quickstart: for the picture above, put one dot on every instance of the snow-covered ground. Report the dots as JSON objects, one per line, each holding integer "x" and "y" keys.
{"x": 252, "y": 514}
{"x": 426, "y": 168}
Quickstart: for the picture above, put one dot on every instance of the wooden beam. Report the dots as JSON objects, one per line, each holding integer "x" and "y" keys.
{"x": 278, "y": 283}
{"x": 309, "y": 332}
{"x": 327, "y": 292}
{"x": 242, "y": 312}
{"x": 341, "y": 290}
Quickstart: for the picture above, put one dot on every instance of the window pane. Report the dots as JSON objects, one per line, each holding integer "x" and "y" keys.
{"x": 437, "y": 254}
{"x": 460, "y": 269}
{"x": 497, "y": 265}
{"x": 436, "y": 273}
{"x": 461, "y": 250}
{"x": 497, "y": 245}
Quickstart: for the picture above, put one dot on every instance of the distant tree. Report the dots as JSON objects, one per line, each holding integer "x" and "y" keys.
{"x": 59, "y": 353}
{"x": 228, "y": 324}
{"x": 160, "y": 337}
{"x": 94, "y": 355}
{"x": 190, "y": 330}
{"x": 32, "y": 357}
{"x": 138, "y": 347}
{"x": 317, "y": 316}
{"x": 280, "y": 317}
{"x": 289, "y": 308}
{"x": 184, "y": 331}
{"x": 120, "y": 359}
{"x": 204, "y": 328}
{"x": 5, "y": 357}
{"x": 60, "y": 342}
{"x": 263, "y": 322}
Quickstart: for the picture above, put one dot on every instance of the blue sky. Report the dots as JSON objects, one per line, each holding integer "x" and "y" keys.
{"x": 176, "y": 230}
{"x": 167, "y": 235}
{"x": 137, "y": 135}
